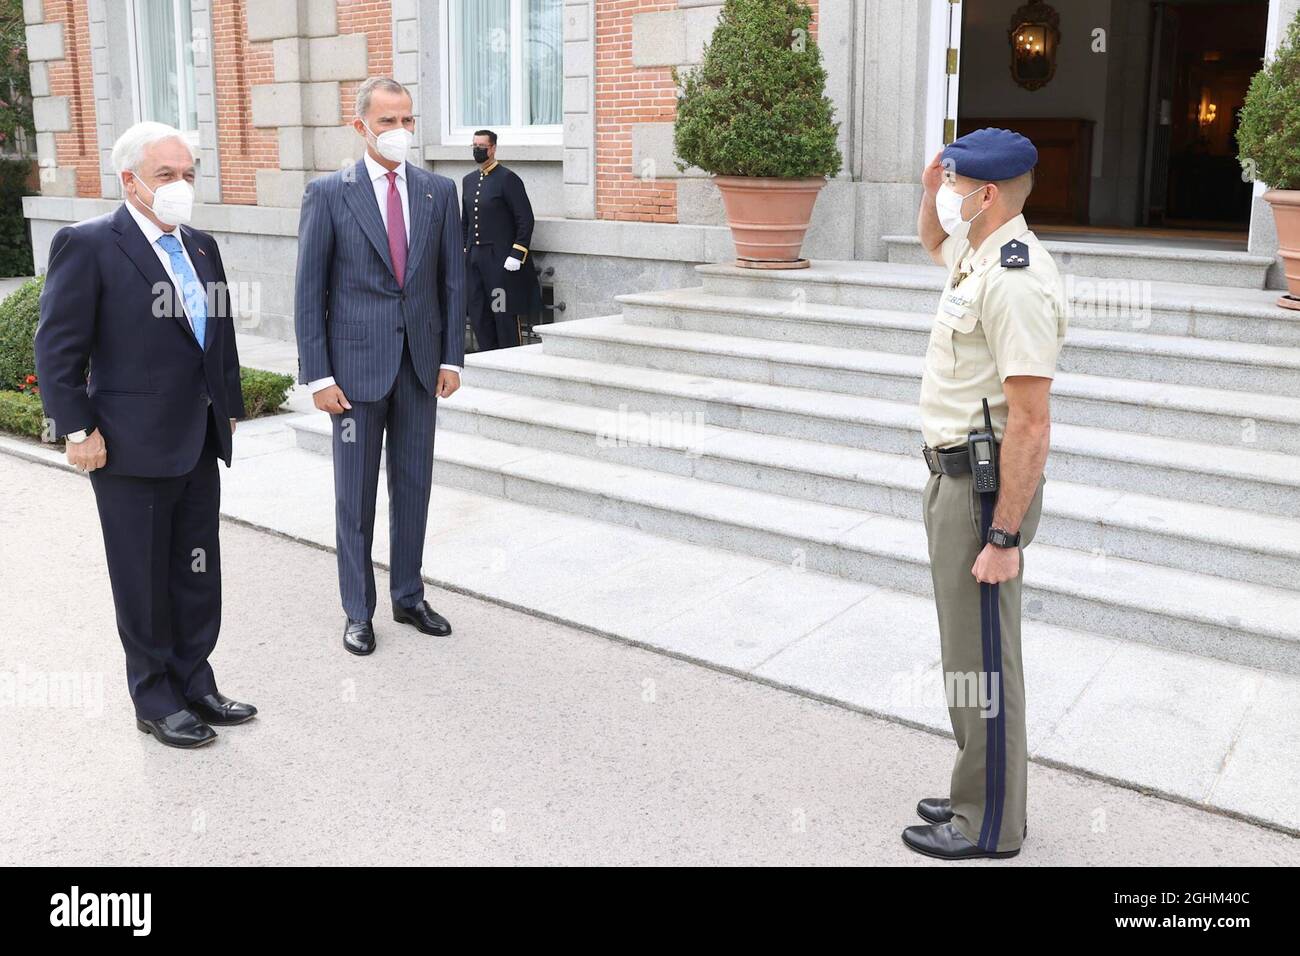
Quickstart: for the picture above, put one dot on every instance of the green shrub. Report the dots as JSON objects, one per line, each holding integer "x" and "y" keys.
{"x": 21, "y": 413}
{"x": 19, "y": 314}
{"x": 756, "y": 104}
{"x": 1268, "y": 139}
{"x": 264, "y": 392}
{"x": 15, "y": 236}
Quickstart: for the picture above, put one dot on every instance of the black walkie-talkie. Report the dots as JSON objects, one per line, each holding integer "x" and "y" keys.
{"x": 984, "y": 455}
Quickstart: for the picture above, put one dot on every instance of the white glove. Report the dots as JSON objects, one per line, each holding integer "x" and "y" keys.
{"x": 513, "y": 264}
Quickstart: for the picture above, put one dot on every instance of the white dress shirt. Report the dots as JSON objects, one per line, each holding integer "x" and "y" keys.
{"x": 379, "y": 179}
{"x": 152, "y": 233}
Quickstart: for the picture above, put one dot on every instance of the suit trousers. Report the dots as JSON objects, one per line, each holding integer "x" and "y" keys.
{"x": 400, "y": 426}
{"x": 162, "y": 542}
{"x": 492, "y": 329}
{"x": 979, "y": 634}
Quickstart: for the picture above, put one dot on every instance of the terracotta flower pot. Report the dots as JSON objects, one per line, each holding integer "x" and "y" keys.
{"x": 768, "y": 218}
{"x": 1286, "y": 213}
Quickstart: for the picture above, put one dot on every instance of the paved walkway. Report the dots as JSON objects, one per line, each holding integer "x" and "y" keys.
{"x": 515, "y": 741}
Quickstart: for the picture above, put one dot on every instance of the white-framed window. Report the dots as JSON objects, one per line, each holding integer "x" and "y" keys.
{"x": 162, "y": 63}
{"x": 503, "y": 69}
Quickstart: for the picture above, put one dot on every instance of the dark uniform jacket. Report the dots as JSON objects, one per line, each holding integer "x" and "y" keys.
{"x": 495, "y": 212}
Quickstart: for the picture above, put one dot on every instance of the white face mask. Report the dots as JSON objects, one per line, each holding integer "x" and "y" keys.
{"x": 392, "y": 144}
{"x": 948, "y": 203}
{"x": 173, "y": 203}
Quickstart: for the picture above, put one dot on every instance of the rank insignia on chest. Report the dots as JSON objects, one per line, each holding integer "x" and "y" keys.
{"x": 1015, "y": 255}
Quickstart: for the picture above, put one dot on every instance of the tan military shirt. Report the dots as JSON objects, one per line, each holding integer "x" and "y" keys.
{"x": 993, "y": 322}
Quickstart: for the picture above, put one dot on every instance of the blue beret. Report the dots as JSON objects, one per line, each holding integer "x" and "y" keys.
{"x": 990, "y": 154}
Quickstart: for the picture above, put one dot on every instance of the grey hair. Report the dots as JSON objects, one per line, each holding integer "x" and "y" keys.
{"x": 129, "y": 149}
{"x": 385, "y": 83}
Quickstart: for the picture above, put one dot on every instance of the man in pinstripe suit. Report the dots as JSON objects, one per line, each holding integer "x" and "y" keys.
{"x": 380, "y": 320}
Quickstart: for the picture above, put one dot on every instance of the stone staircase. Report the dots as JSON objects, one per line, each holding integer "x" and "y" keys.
{"x": 774, "y": 414}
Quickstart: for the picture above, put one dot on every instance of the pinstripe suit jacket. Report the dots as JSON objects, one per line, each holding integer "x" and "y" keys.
{"x": 350, "y": 315}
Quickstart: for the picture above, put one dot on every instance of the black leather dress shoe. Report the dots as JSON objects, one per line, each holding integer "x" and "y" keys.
{"x": 424, "y": 618}
{"x": 220, "y": 711}
{"x": 939, "y": 810}
{"x": 181, "y": 729}
{"x": 934, "y": 809}
{"x": 945, "y": 842}
{"x": 359, "y": 637}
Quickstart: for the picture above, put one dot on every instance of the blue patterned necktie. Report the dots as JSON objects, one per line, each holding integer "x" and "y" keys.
{"x": 196, "y": 301}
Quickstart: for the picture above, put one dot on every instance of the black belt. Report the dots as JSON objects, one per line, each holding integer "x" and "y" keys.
{"x": 952, "y": 461}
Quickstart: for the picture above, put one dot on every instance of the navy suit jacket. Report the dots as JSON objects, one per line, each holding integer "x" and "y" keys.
{"x": 350, "y": 315}
{"x": 109, "y": 304}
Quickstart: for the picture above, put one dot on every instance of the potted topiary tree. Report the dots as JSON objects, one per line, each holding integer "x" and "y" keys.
{"x": 1268, "y": 147}
{"x": 754, "y": 114}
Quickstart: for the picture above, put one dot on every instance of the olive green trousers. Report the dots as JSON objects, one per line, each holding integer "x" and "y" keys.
{"x": 979, "y": 632}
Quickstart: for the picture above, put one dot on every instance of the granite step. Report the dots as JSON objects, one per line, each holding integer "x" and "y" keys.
{"x": 1227, "y": 542}
{"x": 1145, "y": 305}
{"x": 1178, "y": 360}
{"x": 1197, "y": 413}
{"x": 1173, "y": 469}
{"x": 1195, "y": 613}
{"x": 1112, "y": 260}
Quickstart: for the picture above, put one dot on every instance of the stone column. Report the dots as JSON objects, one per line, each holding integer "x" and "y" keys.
{"x": 579, "y": 107}
{"x": 889, "y": 134}
{"x": 46, "y": 44}
{"x": 310, "y": 59}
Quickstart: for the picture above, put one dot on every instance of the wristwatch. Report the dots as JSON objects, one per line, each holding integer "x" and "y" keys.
{"x": 78, "y": 436}
{"x": 1003, "y": 539}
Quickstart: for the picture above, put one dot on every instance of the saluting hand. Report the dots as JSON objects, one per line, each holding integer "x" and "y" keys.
{"x": 995, "y": 565}
{"x": 932, "y": 177}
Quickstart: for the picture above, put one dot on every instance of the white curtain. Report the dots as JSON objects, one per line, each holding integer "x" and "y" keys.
{"x": 544, "y": 61}
{"x": 165, "y": 96}
{"x": 484, "y": 62}
{"x": 156, "y": 54}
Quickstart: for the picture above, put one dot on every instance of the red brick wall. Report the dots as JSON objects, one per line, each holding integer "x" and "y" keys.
{"x": 73, "y": 77}
{"x": 239, "y": 65}
{"x": 627, "y": 95}
{"x": 374, "y": 18}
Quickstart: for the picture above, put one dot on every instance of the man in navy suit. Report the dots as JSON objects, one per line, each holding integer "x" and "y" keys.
{"x": 141, "y": 300}
{"x": 379, "y": 312}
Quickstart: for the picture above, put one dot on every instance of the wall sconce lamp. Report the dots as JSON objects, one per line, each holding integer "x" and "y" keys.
{"x": 1034, "y": 37}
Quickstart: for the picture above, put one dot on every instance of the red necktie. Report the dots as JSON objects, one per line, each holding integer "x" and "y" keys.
{"x": 396, "y": 229}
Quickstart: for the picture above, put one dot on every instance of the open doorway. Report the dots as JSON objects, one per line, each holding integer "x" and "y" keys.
{"x": 1136, "y": 124}
{"x": 1204, "y": 55}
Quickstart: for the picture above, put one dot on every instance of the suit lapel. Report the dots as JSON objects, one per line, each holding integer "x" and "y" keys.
{"x": 207, "y": 276}
{"x": 419, "y": 193}
{"x": 137, "y": 249}
{"x": 360, "y": 195}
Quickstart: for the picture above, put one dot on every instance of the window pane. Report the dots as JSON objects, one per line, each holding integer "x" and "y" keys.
{"x": 156, "y": 57}
{"x": 185, "y": 37}
{"x": 484, "y": 82}
{"x": 159, "y": 35}
{"x": 544, "y": 62}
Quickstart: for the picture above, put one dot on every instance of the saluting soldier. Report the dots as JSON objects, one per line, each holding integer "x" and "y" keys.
{"x": 497, "y": 220}
{"x": 996, "y": 337}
